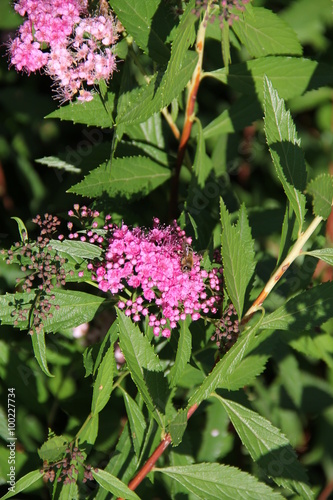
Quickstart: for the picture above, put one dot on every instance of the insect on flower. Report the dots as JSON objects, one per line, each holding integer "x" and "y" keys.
{"x": 186, "y": 262}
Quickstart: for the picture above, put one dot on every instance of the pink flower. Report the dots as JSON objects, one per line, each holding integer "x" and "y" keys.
{"x": 148, "y": 264}
{"x": 73, "y": 50}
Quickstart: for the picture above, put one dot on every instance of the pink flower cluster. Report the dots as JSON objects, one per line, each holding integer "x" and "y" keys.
{"x": 74, "y": 50}
{"x": 144, "y": 267}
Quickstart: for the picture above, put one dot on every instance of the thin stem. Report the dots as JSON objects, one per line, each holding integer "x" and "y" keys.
{"x": 189, "y": 113}
{"x": 295, "y": 252}
{"x": 155, "y": 456}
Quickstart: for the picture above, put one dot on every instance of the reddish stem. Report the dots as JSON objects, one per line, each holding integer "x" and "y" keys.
{"x": 134, "y": 483}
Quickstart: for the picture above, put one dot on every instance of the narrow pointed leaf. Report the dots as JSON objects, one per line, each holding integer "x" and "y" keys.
{"x": 39, "y": 347}
{"x": 114, "y": 485}
{"x": 213, "y": 481}
{"x": 93, "y": 113}
{"x": 222, "y": 374}
{"x": 237, "y": 256}
{"x": 269, "y": 448}
{"x": 136, "y": 421}
{"x": 104, "y": 382}
{"x": 23, "y": 483}
{"x": 141, "y": 360}
{"x": 183, "y": 354}
{"x": 285, "y": 150}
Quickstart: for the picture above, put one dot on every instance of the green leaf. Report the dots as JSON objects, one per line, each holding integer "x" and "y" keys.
{"x": 39, "y": 347}
{"x": 178, "y": 426}
{"x": 141, "y": 360}
{"x": 141, "y": 103}
{"x": 321, "y": 188}
{"x": 114, "y": 485}
{"x": 77, "y": 249}
{"x": 23, "y": 483}
{"x": 325, "y": 254}
{"x": 53, "y": 449}
{"x": 22, "y": 229}
{"x": 125, "y": 177}
{"x": 268, "y": 447}
{"x": 237, "y": 256}
{"x": 54, "y": 162}
{"x": 141, "y": 21}
{"x": 215, "y": 482}
{"x": 123, "y": 462}
{"x": 184, "y": 38}
{"x": 222, "y": 375}
{"x": 305, "y": 311}
{"x": 104, "y": 382}
{"x": 136, "y": 421}
{"x": 225, "y": 42}
{"x": 94, "y": 113}
{"x": 264, "y": 33}
{"x": 290, "y": 76}
{"x": 240, "y": 114}
{"x": 285, "y": 150}
{"x": 183, "y": 354}
{"x": 69, "y": 491}
{"x": 89, "y": 432}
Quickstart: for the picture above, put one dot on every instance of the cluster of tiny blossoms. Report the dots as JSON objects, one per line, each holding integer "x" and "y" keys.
{"x": 225, "y": 10}
{"x": 145, "y": 270}
{"x": 68, "y": 466}
{"x": 72, "y": 47}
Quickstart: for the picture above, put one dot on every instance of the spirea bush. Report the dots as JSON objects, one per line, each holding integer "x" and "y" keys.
{"x": 166, "y": 306}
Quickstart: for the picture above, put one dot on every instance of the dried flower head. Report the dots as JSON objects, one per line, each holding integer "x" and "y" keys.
{"x": 227, "y": 329}
{"x": 224, "y": 10}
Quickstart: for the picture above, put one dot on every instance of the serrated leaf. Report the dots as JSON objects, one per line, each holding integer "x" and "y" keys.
{"x": 89, "y": 432}
{"x": 268, "y": 447}
{"x": 321, "y": 188}
{"x": 305, "y": 311}
{"x": 23, "y": 483}
{"x": 113, "y": 485}
{"x": 285, "y": 150}
{"x": 240, "y": 114}
{"x": 325, "y": 254}
{"x": 69, "y": 491}
{"x": 54, "y": 162}
{"x": 141, "y": 360}
{"x": 104, "y": 382}
{"x": 178, "y": 426}
{"x": 237, "y": 256}
{"x": 39, "y": 347}
{"x": 222, "y": 374}
{"x": 22, "y": 229}
{"x": 184, "y": 38}
{"x": 183, "y": 354}
{"x": 80, "y": 249}
{"x": 290, "y": 76}
{"x": 264, "y": 33}
{"x": 125, "y": 177}
{"x": 93, "y": 113}
{"x": 213, "y": 481}
{"x": 53, "y": 449}
{"x": 136, "y": 421}
{"x": 141, "y": 103}
{"x": 225, "y": 42}
{"x": 139, "y": 19}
